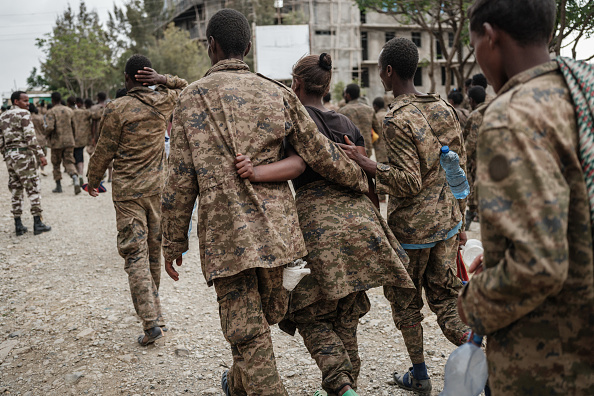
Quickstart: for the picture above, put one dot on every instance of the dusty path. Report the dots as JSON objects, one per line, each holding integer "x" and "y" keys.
{"x": 67, "y": 324}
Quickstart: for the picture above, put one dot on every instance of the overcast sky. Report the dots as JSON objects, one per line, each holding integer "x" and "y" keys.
{"x": 22, "y": 21}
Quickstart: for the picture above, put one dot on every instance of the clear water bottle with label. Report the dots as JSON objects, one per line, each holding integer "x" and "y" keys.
{"x": 455, "y": 175}
{"x": 466, "y": 370}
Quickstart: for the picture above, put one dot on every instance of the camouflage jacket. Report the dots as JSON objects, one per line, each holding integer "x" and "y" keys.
{"x": 421, "y": 207}
{"x": 59, "y": 129}
{"x": 39, "y": 124}
{"x": 96, "y": 114}
{"x": 18, "y": 133}
{"x": 241, "y": 225}
{"x": 363, "y": 116}
{"x": 535, "y": 298}
{"x": 470, "y": 135}
{"x": 132, "y": 134}
{"x": 462, "y": 114}
{"x": 82, "y": 127}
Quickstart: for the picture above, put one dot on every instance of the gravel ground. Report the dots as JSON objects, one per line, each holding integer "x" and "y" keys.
{"x": 68, "y": 327}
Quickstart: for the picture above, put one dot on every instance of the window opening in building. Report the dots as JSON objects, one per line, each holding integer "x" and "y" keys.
{"x": 438, "y": 53}
{"x": 450, "y": 39}
{"x": 443, "y": 76}
{"x": 416, "y": 38}
{"x": 364, "y": 46}
{"x": 363, "y": 16}
{"x": 365, "y": 78}
{"x": 325, "y": 32}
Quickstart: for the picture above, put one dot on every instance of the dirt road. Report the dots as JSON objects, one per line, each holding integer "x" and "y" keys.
{"x": 68, "y": 327}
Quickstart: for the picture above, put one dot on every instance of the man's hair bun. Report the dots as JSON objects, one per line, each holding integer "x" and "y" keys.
{"x": 325, "y": 61}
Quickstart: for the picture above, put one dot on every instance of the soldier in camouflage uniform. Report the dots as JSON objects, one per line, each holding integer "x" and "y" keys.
{"x": 379, "y": 146}
{"x": 422, "y": 211}
{"x": 247, "y": 232}
{"x": 131, "y": 134}
{"x": 361, "y": 114}
{"x": 82, "y": 134}
{"x": 20, "y": 150}
{"x": 59, "y": 132}
{"x": 350, "y": 246}
{"x": 470, "y": 135}
{"x": 533, "y": 295}
{"x": 97, "y": 112}
{"x": 39, "y": 124}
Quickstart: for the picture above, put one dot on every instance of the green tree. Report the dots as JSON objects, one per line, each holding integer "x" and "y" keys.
{"x": 77, "y": 56}
{"x": 179, "y": 55}
{"x": 575, "y": 21}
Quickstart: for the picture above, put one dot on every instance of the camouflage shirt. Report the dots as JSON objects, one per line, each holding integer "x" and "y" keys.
{"x": 96, "y": 114}
{"x": 82, "y": 127}
{"x": 241, "y": 225}
{"x": 462, "y": 114}
{"x": 535, "y": 298}
{"x": 363, "y": 116}
{"x": 470, "y": 135}
{"x": 421, "y": 207}
{"x": 17, "y": 132}
{"x": 39, "y": 124}
{"x": 59, "y": 129}
{"x": 132, "y": 133}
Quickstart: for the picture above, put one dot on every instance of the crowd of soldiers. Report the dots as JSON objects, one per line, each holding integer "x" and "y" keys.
{"x": 65, "y": 127}
{"x": 238, "y": 137}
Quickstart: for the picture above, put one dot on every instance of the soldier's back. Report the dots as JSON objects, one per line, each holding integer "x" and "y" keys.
{"x": 360, "y": 114}
{"x": 241, "y": 224}
{"x": 61, "y": 118}
{"x": 82, "y": 127}
{"x": 426, "y": 122}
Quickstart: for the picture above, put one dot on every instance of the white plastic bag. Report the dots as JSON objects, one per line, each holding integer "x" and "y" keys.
{"x": 293, "y": 273}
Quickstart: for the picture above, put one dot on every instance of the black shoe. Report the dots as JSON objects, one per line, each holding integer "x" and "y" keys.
{"x": 225, "y": 384}
{"x": 150, "y": 336}
{"x": 19, "y": 227}
{"x": 38, "y": 226}
{"x": 58, "y": 188}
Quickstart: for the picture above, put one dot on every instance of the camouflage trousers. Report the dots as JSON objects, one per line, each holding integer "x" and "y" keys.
{"x": 139, "y": 243}
{"x": 22, "y": 176}
{"x": 63, "y": 156}
{"x": 432, "y": 269}
{"x": 249, "y": 303}
{"x": 329, "y": 331}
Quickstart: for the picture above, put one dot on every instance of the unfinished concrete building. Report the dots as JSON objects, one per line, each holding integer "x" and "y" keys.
{"x": 354, "y": 39}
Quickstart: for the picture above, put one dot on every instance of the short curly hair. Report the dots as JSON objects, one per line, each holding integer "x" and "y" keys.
{"x": 480, "y": 80}
{"x": 231, "y": 31}
{"x": 526, "y": 21}
{"x": 136, "y": 62}
{"x": 403, "y": 55}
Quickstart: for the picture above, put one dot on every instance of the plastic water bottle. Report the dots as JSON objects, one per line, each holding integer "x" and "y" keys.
{"x": 455, "y": 176}
{"x": 466, "y": 370}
